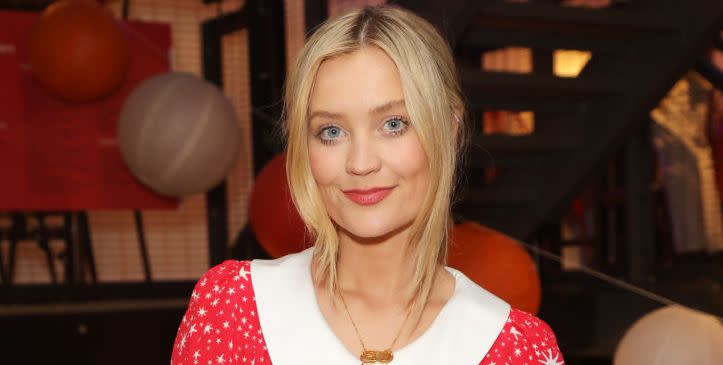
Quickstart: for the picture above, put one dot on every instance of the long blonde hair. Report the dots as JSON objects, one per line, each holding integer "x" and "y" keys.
{"x": 433, "y": 99}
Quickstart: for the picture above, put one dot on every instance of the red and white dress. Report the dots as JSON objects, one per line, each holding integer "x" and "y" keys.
{"x": 264, "y": 312}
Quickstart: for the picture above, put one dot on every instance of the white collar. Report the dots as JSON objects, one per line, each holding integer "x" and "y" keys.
{"x": 295, "y": 330}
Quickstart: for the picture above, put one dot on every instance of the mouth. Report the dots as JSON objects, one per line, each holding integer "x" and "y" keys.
{"x": 368, "y": 196}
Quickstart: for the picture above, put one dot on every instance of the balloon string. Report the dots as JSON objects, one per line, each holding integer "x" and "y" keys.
{"x": 156, "y": 49}
{"x": 616, "y": 282}
{"x": 125, "y": 9}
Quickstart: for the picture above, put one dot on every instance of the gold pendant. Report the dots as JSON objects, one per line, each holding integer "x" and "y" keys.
{"x": 371, "y": 356}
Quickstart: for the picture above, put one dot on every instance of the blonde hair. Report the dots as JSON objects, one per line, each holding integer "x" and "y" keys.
{"x": 433, "y": 99}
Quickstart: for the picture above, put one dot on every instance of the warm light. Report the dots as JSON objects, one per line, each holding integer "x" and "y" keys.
{"x": 510, "y": 59}
{"x": 513, "y": 123}
{"x": 569, "y": 63}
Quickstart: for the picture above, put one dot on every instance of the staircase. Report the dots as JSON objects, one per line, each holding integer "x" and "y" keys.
{"x": 639, "y": 49}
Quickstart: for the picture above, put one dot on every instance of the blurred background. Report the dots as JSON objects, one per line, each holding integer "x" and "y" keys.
{"x": 139, "y": 147}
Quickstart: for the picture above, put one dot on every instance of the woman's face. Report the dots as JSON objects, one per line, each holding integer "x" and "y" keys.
{"x": 365, "y": 156}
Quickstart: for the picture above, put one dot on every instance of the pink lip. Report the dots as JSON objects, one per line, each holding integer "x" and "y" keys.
{"x": 368, "y": 196}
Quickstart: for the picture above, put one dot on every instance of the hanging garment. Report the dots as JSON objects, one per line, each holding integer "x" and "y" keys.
{"x": 715, "y": 134}
{"x": 688, "y": 167}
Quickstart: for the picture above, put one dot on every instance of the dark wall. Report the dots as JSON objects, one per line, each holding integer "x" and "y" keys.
{"x": 123, "y": 338}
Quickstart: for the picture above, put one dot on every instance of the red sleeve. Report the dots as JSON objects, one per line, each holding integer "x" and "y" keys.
{"x": 525, "y": 340}
{"x": 220, "y": 326}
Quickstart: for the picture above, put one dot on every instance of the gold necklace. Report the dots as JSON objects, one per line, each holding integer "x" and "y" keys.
{"x": 373, "y": 356}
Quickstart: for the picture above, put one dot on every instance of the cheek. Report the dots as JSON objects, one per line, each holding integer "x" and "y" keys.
{"x": 323, "y": 165}
{"x": 410, "y": 161}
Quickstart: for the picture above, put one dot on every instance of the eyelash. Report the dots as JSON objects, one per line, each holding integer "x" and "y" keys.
{"x": 323, "y": 129}
{"x": 399, "y": 132}
{"x": 403, "y": 128}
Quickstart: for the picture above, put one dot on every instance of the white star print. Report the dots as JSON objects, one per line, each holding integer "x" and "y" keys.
{"x": 515, "y": 332}
{"x": 243, "y": 273}
{"x": 549, "y": 360}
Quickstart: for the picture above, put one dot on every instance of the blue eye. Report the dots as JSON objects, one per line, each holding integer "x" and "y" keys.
{"x": 329, "y": 134}
{"x": 396, "y": 125}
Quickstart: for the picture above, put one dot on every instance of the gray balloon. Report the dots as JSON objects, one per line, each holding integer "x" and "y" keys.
{"x": 178, "y": 134}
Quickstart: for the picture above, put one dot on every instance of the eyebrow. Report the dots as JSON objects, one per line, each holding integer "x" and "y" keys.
{"x": 375, "y": 110}
{"x": 387, "y": 106}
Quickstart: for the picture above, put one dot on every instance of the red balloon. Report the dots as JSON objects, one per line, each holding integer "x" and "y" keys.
{"x": 77, "y": 51}
{"x": 274, "y": 218}
{"x": 497, "y": 263}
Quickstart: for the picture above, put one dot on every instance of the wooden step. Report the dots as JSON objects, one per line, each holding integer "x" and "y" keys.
{"x": 641, "y": 19}
{"x": 500, "y": 89}
{"x": 498, "y": 217}
{"x": 530, "y": 104}
{"x": 483, "y": 36}
{"x": 521, "y": 152}
{"x": 619, "y": 30}
{"x": 528, "y": 143}
{"x": 522, "y": 161}
{"x": 501, "y": 194}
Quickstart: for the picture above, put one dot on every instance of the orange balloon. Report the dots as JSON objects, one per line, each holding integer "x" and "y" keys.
{"x": 274, "y": 218}
{"x": 497, "y": 263}
{"x": 77, "y": 51}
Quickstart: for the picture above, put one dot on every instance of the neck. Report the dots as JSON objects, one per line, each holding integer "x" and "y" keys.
{"x": 378, "y": 268}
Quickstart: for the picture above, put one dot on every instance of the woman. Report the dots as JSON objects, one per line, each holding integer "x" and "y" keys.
{"x": 373, "y": 120}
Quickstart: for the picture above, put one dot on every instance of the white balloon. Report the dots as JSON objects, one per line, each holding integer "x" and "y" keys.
{"x": 672, "y": 335}
{"x": 178, "y": 134}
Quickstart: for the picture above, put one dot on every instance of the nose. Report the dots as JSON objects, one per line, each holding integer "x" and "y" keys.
{"x": 363, "y": 158}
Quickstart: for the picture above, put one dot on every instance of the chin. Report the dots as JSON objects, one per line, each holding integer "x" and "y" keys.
{"x": 373, "y": 233}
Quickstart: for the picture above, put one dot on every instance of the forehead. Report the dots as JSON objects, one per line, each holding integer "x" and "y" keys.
{"x": 356, "y": 82}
